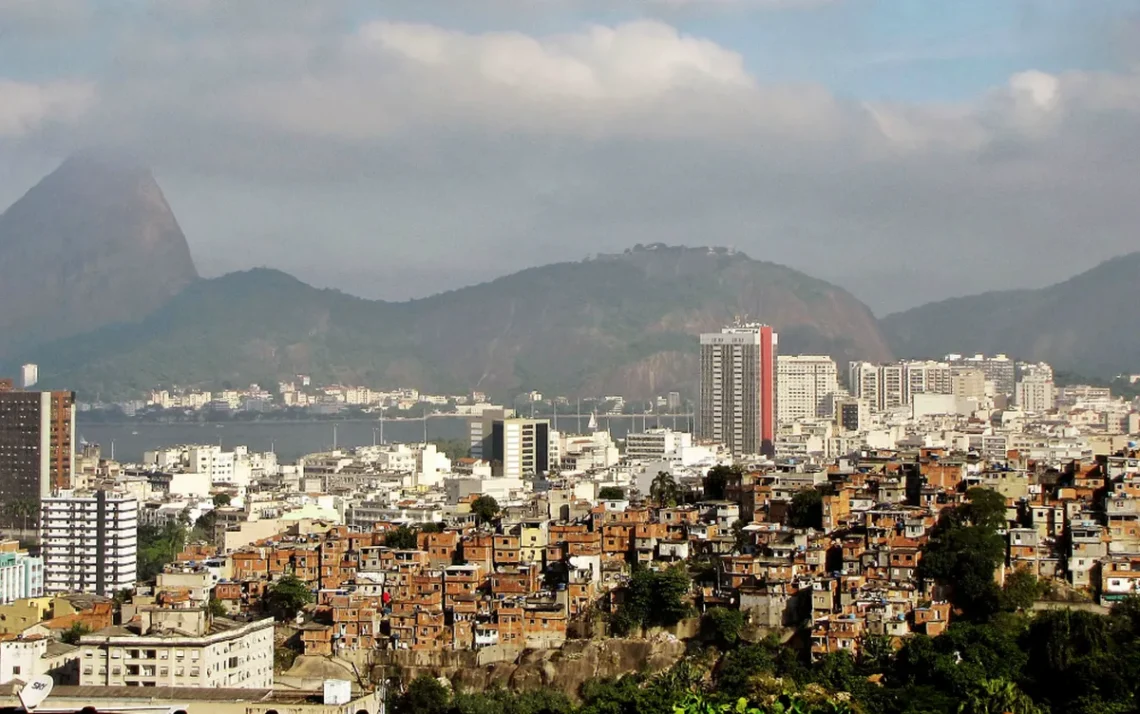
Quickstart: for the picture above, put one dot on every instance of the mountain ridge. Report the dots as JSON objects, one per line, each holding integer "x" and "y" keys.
{"x": 1087, "y": 323}
{"x": 92, "y": 243}
{"x": 623, "y": 323}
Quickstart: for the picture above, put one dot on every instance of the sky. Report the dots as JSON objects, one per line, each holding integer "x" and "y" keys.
{"x": 908, "y": 150}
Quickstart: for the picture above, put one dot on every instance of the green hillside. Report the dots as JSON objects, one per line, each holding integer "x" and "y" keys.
{"x": 622, "y": 324}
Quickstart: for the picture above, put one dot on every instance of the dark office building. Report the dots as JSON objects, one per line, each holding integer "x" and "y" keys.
{"x": 37, "y": 436}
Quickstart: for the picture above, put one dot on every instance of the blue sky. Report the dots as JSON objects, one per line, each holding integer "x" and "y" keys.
{"x": 842, "y": 137}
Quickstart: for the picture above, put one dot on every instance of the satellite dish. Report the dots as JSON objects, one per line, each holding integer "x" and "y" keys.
{"x": 35, "y": 691}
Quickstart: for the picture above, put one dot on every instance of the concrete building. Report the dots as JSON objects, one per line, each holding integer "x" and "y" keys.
{"x": 89, "y": 542}
{"x": 179, "y": 648}
{"x": 805, "y": 387}
{"x": 29, "y": 375}
{"x": 21, "y": 575}
{"x": 968, "y": 383}
{"x": 737, "y": 405}
{"x": 999, "y": 369}
{"x": 479, "y": 427}
{"x": 520, "y": 447}
{"x": 654, "y": 444}
{"x": 863, "y": 383}
{"x": 37, "y": 434}
{"x": 1035, "y": 392}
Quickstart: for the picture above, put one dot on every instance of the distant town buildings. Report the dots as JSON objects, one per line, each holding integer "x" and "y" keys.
{"x": 737, "y": 403}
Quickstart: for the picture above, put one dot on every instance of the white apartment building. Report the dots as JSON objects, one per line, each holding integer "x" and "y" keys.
{"x": 21, "y": 575}
{"x": 805, "y": 387}
{"x": 656, "y": 444}
{"x": 89, "y": 542}
{"x": 29, "y": 375}
{"x": 1035, "y": 392}
{"x": 179, "y": 648}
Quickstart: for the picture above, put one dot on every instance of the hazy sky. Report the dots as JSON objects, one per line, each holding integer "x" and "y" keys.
{"x": 908, "y": 150}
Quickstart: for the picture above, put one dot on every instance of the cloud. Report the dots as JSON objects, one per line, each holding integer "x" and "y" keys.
{"x": 25, "y": 108}
{"x": 394, "y": 158}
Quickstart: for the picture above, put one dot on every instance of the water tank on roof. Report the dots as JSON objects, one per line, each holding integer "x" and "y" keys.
{"x": 337, "y": 692}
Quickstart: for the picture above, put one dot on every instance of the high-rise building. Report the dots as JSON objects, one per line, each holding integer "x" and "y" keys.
{"x": 863, "y": 383}
{"x": 520, "y": 447}
{"x": 805, "y": 386}
{"x": 738, "y": 389}
{"x": 851, "y": 413}
{"x": 480, "y": 430}
{"x": 29, "y": 375}
{"x": 1034, "y": 392}
{"x": 998, "y": 369}
{"x": 37, "y": 433}
{"x": 89, "y": 542}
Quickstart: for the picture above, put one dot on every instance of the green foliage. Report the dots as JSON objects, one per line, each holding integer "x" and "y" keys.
{"x": 431, "y": 528}
{"x": 453, "y": 449}
{"x": 788, "y": 703}
{"x": 611, "y": 493}
{"x": 717, "y": 478}
{"x": 664, "y": 490}
{"x": 216, "y": 608}
{"x": 400, "y": 538}
{"x": 965, "y": 549}
{"x": 72, "y": 634}
{"x": 997, "y": 696}
{"x": 204, "y": 528}
{"x": 221, "y": 499}
{"x": 158, "y": 546}
{"x": 425, "y": 695}
{"x": 653, "y": 598}
{"x": 485, "y": 508}
{"x": 723, "y": 626}
{"x": 285, "y": 598}
{"x": 806, "y": 510}
{"x": 1021, "y": 590}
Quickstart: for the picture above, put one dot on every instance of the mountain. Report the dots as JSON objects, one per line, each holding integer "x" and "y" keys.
{"x": 1088, "y": 324}
{"x": 93, "y": 243}
{"x": 616, "y": 324}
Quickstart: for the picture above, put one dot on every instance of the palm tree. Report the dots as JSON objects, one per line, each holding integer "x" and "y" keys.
{"x": 998, "y": 696}
{"x": 664, "y": 489}
{"x": 23, "y": 508}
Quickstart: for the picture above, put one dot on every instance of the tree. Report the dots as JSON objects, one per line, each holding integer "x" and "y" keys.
{"x": 1021, "y": 590}
{"x": 216, "y": 608}
{"x": 723, "y": 626}
{"x": 401, "y": 538}
{"x": 611, "y": 493}
{"x": 741, "y": 540}
{"x": 285, "y": 598}
{"x": 157, "y": 547}
{"x": 453, "y": 449}
{"x": 998, "y": 696}
{"x": 72, "y": 634}
{"x": 653, "y": 598}
{"x": 965, "y": 548}
{"x": 717, "y": 480}
{"x": 431, "y": 528}
{"x": 806, "y": 510}
{"x": 425, "y": 695}
{"x": 221, "y": 499}
{"x": 664, "y": 490}
{"x": 23, "y": 508}
{"x": 485, "y": 508}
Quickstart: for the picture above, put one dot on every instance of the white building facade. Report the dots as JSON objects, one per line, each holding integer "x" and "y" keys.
{"x": 805, "y": 387}
{"x": 89, "y": 542}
